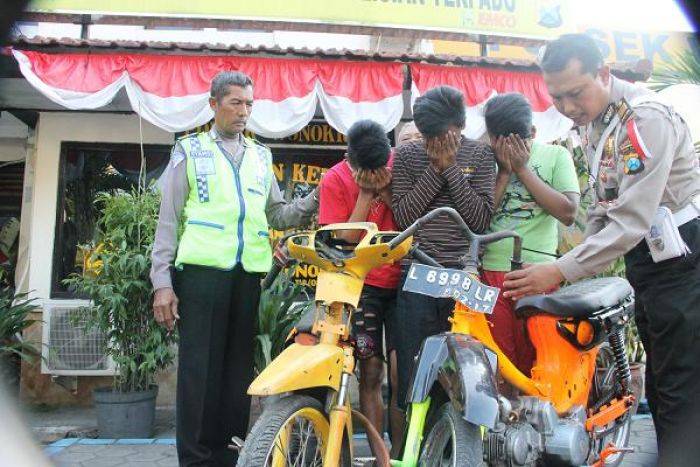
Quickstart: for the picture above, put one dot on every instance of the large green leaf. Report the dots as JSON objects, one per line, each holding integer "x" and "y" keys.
{"x": 684, "y": 67}
{"x": 276, "y": 318}
{"x": 14, "y": 318}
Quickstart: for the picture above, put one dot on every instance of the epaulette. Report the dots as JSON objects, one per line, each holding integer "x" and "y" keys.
{"x": 622, "y": 109}
{"x": 188, "y": 135}
{"x": 259, "y": 144}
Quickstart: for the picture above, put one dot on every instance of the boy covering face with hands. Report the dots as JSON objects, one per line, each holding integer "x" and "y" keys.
{"x": 442, "y": 169}
{"x": 358, "y": 189}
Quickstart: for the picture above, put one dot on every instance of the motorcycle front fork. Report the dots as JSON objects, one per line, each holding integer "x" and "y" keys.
{"x": 340, "y": 417}
{"x": 414, "y": 434}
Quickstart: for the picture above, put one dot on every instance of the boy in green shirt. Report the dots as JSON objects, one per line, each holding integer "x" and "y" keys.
{"x": 536, "y": 187}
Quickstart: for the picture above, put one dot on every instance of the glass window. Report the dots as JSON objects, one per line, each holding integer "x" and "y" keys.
{"x": 86, "y": 170}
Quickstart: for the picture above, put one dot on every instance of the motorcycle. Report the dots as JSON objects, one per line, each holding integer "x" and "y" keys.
{"x": 574, "y": 408}
{"x": 308, "y": 421}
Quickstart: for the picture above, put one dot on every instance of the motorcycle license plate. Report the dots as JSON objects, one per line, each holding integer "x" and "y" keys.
{"x": 451, "y": 283}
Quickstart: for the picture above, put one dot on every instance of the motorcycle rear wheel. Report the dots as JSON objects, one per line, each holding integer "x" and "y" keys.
{"x": 618, "y": 431}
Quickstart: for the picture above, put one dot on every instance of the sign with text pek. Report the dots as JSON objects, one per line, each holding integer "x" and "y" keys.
{"x": 660, "y": 48}
{"x": 538, "y": 19}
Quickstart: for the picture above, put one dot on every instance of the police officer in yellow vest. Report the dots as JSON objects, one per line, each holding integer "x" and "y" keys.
{"x": 221, "y": 184}
{"x": 645, "y": 177}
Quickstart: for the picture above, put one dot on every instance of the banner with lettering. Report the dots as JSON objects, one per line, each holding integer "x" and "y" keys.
{"x": 172, "y": 92}
{"x": 539, "y": 19}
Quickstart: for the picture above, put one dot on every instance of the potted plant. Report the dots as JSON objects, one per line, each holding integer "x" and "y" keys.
{"x": 14, "y": 318}
{"x": 118, "y": 285}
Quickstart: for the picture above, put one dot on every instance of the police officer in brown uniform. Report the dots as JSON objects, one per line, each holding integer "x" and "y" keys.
{"x": 644, "y": 171}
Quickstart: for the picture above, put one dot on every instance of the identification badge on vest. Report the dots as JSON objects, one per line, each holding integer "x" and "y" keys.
{"x": 204, "y": 166}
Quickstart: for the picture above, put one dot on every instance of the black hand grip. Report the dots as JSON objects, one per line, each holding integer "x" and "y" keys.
{"x": 271, "y": 276}
{"x": 516, "y": 262}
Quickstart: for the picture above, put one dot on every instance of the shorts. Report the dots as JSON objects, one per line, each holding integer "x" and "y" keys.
{"x": 371, "y": 322}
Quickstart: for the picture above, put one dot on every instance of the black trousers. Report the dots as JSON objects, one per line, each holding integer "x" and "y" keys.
{"x": 668, "y": 318}
{"x": 218, "y": 316}
{"x": 416, "y": 317}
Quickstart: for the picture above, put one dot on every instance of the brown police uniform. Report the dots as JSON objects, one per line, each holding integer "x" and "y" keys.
{"x": 649, "y": 161}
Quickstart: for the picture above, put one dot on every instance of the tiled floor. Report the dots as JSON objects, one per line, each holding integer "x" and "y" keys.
{"x": 161, "y": 452}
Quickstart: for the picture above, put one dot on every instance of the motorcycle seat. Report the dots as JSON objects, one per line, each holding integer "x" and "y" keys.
{"x": 578, "y": 300}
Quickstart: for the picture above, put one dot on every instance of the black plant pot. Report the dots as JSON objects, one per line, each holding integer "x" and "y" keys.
{"x": 10, "y": 372}
{"x": 125, "y": 414}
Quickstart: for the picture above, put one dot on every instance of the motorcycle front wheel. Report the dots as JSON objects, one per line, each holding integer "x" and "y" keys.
{"x": 291, "y": 432}
{"x": 452, "y": 441}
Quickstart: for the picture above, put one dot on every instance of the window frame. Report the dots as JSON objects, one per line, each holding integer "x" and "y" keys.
{"x": 55, "y": 291}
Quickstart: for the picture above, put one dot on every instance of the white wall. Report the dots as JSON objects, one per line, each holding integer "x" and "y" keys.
{"x": 12, "y": 149}
{"x": 52, "y": 129}
{"x": 13, "y": 138}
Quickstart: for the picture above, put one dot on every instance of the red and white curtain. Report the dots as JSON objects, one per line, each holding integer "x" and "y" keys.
{"x": 172, "y": 91}
{"x": 480, "y": 84}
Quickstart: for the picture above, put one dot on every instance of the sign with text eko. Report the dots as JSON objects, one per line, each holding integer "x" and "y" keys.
{"x": 539, "y": 19}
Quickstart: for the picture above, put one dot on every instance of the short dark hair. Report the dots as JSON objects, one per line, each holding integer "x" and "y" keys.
{"x": 508, "y": 113}
{"x": 223, "y": 80}
{"x": 558, "y": 54}
{"x": 437, "y": 109}
{"x": 368, "y": 145}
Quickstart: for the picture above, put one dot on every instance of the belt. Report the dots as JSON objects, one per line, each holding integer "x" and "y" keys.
{"x": 690, "y": 212}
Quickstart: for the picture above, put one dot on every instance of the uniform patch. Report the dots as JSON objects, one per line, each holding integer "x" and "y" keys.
{"x": 203, "y": 154}
{"x": 633, "y": 163}
{"x": 202, "y": 189}
{"x": 634, "y": 152}
{"x": 202, "y": 182}
{"x": 609, "y": 113}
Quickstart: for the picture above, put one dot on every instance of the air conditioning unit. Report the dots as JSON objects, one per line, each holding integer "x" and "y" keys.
{"x": 69, "y": 347}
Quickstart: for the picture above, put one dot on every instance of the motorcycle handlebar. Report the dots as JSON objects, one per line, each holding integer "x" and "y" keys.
{"x": 475, "y": 240}
{"x": 271, "y": 275}
{"x": 276, "y": 267}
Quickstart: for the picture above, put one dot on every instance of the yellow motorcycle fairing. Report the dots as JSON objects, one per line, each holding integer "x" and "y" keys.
{"x": 301, "y": 367}
{"x": 341, "y": 280}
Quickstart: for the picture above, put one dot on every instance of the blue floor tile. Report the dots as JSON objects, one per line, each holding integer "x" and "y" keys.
{"x": 97, "y": 441}
{"x": 135, "y": 441}
{"x": 168, "y": 441}
{"x": 65, "y": 442}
